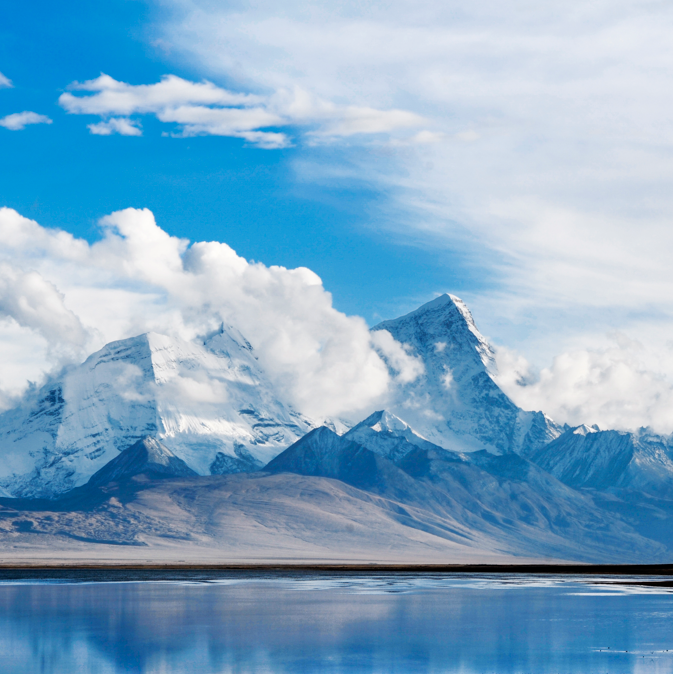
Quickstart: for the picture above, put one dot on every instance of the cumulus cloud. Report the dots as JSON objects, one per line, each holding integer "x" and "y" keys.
{"x": 35, "y": 303}
{"x": 137, "y": 278}
{"x": 202, "y": 108}
{"x": 5, "y": 82}
{"x": 20, "y": 120}
{"x": 111, "y": 97}
{"x": 613, "y": 386}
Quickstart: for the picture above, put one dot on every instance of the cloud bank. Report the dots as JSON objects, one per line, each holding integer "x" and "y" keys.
{"x": 5, "y": 82}
{"x": 62, "y": 297}
{"x": 202, "y": 108}
{"x": 614, "y": 387}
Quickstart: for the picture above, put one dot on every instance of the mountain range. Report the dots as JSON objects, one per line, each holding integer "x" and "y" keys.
{"x": 154, "y": 441}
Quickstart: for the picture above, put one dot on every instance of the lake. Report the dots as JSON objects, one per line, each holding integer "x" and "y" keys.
{"x": 319, "y": 622}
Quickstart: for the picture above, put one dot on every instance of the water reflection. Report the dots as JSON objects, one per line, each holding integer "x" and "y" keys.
{"x": 397, "y": 623}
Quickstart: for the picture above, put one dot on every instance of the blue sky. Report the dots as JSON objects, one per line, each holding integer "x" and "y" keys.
{"x": 201, "y": 188}
{"x": 516, "y": 154}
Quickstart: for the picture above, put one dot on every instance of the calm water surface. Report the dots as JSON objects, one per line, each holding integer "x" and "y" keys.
{"x": 251, "y": 622}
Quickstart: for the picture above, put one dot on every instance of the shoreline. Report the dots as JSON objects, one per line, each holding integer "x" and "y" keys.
{"x": 511, "y": 569}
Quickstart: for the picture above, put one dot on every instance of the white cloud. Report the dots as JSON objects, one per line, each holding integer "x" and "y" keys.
{"x": 35, "y": 303}
{"x": 237, "y": 122}
{"x": 20, "y": 120}
{"x": 202, "y": 108}
{"x": 5, "y": 82}
{"x": 467, "y": 136}
{"x": 614, "y": 386}
{"x": 398, "y": 357}
{"x": 111, "y": 97}
{"x": 447, "y": 379}
{"x": 354, "y": 120}
{"x": 137, "y": 278}
{"x": 120, "y": 125}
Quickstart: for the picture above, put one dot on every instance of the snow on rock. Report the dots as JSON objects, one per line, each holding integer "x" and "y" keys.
{"x": 456, "y": 403}
{"x": 583, "y": 429}
{"x": 387, "y": 435}
{"x": 209, "y": 403}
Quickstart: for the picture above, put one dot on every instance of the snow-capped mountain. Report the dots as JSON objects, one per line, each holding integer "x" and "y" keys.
{"x": 210, "y": 404}
{"x": 456, "y": 403}
{"x": 387, "y": 435}
{"x": 453, "y": 459}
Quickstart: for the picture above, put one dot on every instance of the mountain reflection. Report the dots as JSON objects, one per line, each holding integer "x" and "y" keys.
{"x": 330, "y": 625}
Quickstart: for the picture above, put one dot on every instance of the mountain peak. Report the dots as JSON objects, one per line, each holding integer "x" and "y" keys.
{"x": 211, "y": 404}
{"x": 583, "y": 429}
{"x": 442, "y": 323}
{"x": 456, "y": 402}
{"x": 383, "y": 421}
{"x": 319, "y": 450}
{"x": 446, "y": 299}
{"x": 386, "y": 434}
{"x": 440, "y": 300}
{"x": 323, "y": 453}
{"x": 147, "y": 456}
